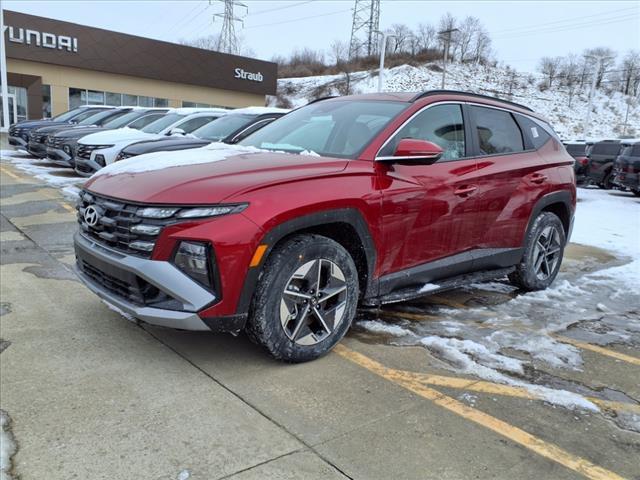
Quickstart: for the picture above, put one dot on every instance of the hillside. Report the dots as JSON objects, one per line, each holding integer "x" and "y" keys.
{"x": 567, "y": 118}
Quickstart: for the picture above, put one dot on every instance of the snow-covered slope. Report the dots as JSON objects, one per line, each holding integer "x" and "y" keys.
{"x": 567, "y": 117}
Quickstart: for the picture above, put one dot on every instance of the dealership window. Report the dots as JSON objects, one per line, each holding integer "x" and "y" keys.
{"x": 46, "y": 101}
{"x": 80, "y": 96}
{"x": 187, "y": 104}
{"x": 20, "y": 94}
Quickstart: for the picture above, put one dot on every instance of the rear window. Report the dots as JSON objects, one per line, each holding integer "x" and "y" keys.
{"x": 606, "y": 148}
{"x": 576, "y": 149}
{"x": 535, "y": 133}
{"x": 635, "y": 151}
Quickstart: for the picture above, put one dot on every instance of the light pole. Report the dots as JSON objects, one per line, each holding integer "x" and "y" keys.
{"x": 3, "y": 76}
{"x": 447, "y": 35}
{"x": 587, "y": 121}
{"x": 383, "y": 49}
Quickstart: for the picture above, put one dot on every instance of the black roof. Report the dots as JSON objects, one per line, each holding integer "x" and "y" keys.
{"x": 429, "y": 93}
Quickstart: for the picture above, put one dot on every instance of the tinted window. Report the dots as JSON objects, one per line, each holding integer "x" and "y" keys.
{"x": 162, "y": 123}
{"x": 534, "y": 132}
{"x": 441, "y": 125}
{"x": 332, "y": 128}
{"x": 63, "y": 117}
{"x": 576, "y": 149}
{"x": 253, "y": 128}
{"x": 497, "y": 131}
{"x": 223, "y": 127}
{"x": 190, "y": 125}
{"x": 635, "y": 151}
{"x": 85, "y": 117}
{"x": 145, "y": 120}
{"x": 606, "y": 148}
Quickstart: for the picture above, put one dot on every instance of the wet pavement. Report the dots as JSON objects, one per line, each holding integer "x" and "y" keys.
{"x": 478, "y": 382}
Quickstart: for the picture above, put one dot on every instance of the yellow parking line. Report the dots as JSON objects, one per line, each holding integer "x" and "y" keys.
{"x": 10, "y": 173}
{"x": 602, "y": 351}
{"x": 515, "y": 434}
{"x": 491, "y": 388}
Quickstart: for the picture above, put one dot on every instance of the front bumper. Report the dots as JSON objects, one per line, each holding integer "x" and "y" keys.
{"x": 60, "y": 157}
{"x": 627, "y": 180}
{"x": 84, "y": 167}
{"x": 37, "y": 149}
{"x": 115, "y": 268}
{"x": 19, "y": 143}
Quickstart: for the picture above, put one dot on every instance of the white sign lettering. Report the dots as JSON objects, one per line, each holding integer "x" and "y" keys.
{"x": 42, "y": 39}
{"x": 244, "y": 75}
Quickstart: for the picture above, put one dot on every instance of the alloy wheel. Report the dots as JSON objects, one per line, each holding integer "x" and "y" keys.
{"x": 314, "y": 302}
{"x": 546, "y": 253}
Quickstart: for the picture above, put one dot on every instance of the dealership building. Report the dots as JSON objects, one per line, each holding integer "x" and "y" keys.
{"x": 53, "y": 66}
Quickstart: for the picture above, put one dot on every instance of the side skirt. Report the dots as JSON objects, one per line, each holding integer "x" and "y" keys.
{"x": 411, "y": 293}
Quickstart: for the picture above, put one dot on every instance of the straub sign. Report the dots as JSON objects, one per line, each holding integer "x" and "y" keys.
{"x": 244, "y": 75}
{"x": 30, "y": 37}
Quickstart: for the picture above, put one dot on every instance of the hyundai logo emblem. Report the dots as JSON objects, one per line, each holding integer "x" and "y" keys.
{"x": 91, "y": 216}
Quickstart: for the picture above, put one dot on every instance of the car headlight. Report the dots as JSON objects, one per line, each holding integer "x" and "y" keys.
{"x": 153, "y": 212}
{"x": 210, "y": 211}
{"x": 193, "y": 258}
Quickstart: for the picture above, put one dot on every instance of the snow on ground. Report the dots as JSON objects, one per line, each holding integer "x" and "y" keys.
{"x": 7, "y": 446}
{"x": 565, "y": 115}
{"x": 592, "y": 300}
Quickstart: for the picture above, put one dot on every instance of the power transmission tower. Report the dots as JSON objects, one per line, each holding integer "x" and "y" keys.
{"x": 228, "y": 40}
{"x": 366, "y": 21}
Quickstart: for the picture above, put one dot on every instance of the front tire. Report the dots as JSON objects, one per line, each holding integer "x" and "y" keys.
{"x": 544, "y": 249}
{"x": 306, "y": 299}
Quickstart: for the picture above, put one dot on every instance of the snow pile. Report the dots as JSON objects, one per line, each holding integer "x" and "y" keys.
{"x": 7, "y": 446}
{"x": 64, "y": 178}
{"x": 213, "y": 152}
{"x": 565, "y": 114}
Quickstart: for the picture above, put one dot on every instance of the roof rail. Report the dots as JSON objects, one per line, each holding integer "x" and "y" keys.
{"x": 428, "y": 93}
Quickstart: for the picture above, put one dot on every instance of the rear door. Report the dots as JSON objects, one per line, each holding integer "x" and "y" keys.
{"x": 513, "y": 175}
{"x": 428, "y": 210}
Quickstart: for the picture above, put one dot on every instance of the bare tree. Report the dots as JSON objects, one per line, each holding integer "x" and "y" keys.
{"x": 630, "y": 74}
{"x": 339, "y": 52}
{"x": 427, "y": 36}
{"x": 550, "y": 67}
{"x": 468, "y": 29}
{"x": 447, "y": 22}
{"x": 608, "y": 60}
{"x": 482, "y": 45}
{"x": 401, "y": 34}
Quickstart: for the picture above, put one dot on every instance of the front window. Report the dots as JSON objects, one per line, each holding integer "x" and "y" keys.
{"x": 144, "y": 121}
{"x": 223, "y": 127}
{"x": 336, "y": 128}
{"x": 164, "y": 122}
{"x": 63, "y": 117}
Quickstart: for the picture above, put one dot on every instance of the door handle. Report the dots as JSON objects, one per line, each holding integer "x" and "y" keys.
{"x": 538, "y": 178}
{"x": 465, "y": 191}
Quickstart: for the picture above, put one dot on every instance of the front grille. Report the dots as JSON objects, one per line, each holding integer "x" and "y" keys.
{"x": 115, "y": 219}
{"x": 37, "y": 137}
{"x": 14, "y": 131}
{"x": 84, "y": 151}
{"x": 54, "y": 142}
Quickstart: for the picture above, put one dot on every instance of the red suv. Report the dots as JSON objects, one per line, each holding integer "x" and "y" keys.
{"x": 363, "y": 199}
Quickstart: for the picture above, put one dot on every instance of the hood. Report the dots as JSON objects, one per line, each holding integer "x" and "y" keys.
{"x": 55, "y": 127}
{"x": 205, "y": 175}
{"x": 107, "y": 137}
{"x": 78, "y": 132}
{"x": 40, "y": 123}
{"x": 165, "y": 144}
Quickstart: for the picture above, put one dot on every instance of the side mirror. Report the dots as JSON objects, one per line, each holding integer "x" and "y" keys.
{"x": 412, "y": 150}
{"x": 176, "y": 131}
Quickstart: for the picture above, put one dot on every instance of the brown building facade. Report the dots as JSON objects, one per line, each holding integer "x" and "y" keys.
{"x": 54, "y": 66}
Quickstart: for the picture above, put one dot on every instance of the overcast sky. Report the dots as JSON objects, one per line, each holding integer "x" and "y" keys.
{"x": 521, "y": 31}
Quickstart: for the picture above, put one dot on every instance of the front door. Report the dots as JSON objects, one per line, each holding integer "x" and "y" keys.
{"x": 428, "y": 210}
{"x": 13, "y": 110}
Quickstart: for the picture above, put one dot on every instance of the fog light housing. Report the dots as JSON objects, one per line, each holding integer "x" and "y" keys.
{"x": 100, "y": 160}
{"x": 194, "y": 259}
{"x": 66, "y": 149}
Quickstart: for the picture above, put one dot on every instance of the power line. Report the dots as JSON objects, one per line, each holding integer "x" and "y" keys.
{"x": 260, "y": 12}
{"x": 622, "y": 18}
{"x": 298, "y": 19}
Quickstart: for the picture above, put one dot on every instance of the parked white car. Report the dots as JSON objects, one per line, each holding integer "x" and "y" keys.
{"x": 99, "y": 149}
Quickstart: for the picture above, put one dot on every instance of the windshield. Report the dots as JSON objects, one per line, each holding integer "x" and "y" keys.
{"x": 162, "y": 123}
{"x": 63, "y": 117}
{"x": 95, "y": 117}
{"x": 86, "y": 115}
{"x": 223, "y": 127}
{"x": 123, "y": 120}
{"x": 334, "y": 128}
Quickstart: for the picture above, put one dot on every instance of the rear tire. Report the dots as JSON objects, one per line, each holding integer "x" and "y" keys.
{"x": 306, "y": 299}
{"x": 543, "y": 252}
{"x": 607, "y": 181}
{"x": 636, "y": 193}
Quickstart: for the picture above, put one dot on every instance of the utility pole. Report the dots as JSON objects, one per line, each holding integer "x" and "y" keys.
{"x": 587, "y": 121}
{"x": 228, "y": 41}
{"x": 3, "y": 76}
{"x": 630, "y": 102}
{"x": 383, "y": 49}
{"x": 446, "y": 35}
{"x": 366, "y": 20}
